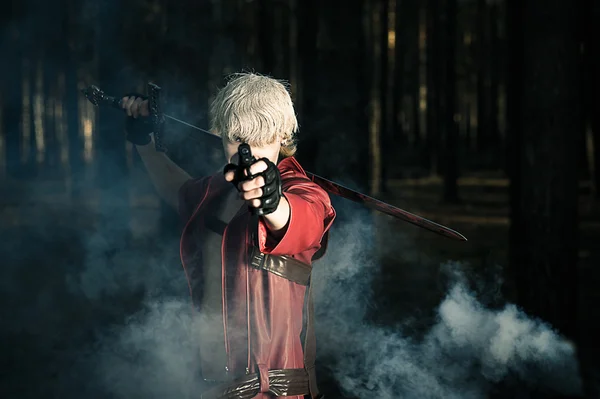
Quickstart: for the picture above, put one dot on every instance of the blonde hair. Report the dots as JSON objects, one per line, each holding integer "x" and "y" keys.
{"x": 255, "y": 109}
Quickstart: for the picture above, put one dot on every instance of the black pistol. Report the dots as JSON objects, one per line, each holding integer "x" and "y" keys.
{"x": 246, "y": 159}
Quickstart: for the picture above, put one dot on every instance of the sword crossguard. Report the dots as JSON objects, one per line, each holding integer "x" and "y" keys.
{"x": 158, "y": 119}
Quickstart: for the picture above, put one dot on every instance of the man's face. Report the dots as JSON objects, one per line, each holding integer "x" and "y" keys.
{"x": 270, "y": 151}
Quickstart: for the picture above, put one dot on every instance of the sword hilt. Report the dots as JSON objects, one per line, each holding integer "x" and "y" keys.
{"x": 97, "y": 97}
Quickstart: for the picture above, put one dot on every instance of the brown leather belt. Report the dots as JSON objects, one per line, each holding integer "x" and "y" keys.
{"x": 285, "y": 382}
{"x": 282, "y": 266}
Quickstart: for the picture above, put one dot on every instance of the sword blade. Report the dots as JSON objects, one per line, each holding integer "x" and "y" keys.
{"x": 97, "y": 97}
{"x": 187, "y": 124}
{"x": 373, "y": 203}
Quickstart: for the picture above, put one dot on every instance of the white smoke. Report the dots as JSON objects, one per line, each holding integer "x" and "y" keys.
{"x": 464, "y": 353}
{"x": 468, "y": 349}
{"x": 155, "y": 355}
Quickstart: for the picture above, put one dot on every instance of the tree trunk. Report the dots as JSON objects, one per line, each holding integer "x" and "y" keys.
{"x": 198, "y": 14}
{"x": 483, "y": 115}
{"x": 544, "y": 115}
{"x": 434, "y": 68}
{"x": 51, "y": 68}
{"x": 397, "y": 99}
{"x": 12, "y": 99}
{"x": 514, "y": 124}
{"x": 594, "y": 104}
{"x": 378, "y": 56}
{"x": 50, "y": 73}
{"x": 110, "y": 150}
{"x": 387, "y": 148}
{"x": 416, "y": 14}
{"x": 341, "y": 94}
{"x": 468, "y": 132}
{"x": 403, "y": 36}
{"x": 225, "y": 59}
{"x": 281, "y": 45}
{"x": 494, "y": 83}
{"x": 75, "y": 150}
{"x": 307, "y": 89}
{"x": 293, "y": 55}
{"x": 31, "y": 71}
{"x": 193, "y": 69}
{"x": 450, "y": 150}
{"x": 591, "y": 86}
{"x": 265, "y": 35}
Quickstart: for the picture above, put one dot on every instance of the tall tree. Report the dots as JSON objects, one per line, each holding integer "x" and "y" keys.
{"x": 283, "y": 18}
{"x": 593, "y": 88}
{"x": 494, "y": 70}
{"x": 413, "y": 22}
{"x": 229, "y": 53}
{"x": 192, "y": 71}
{"x": 376, "y": 52}
{"x": 333, "y": 90}
{"x": 50, "y": 75}
{"x": 450, "y": 148}
{"x": 293, "y": 59}
{"x": 273, "y": 37}
{"x": 307, "y": 87}
{"x": 111, "y": 170}
{"x": 544, "y": 115}
{"x": 342, "y": 93}
{"x": 266, "y": 28}
{"x": 197, "y": 71}
{"x": 488, "y": 66}
{"x": 434, "y": 74}
{"x": 402, "y": 36}
{"x": 12, "y": 94}
{"x": 70, "y": 51}
{"x": 30, "y": 72}
{"x": 386, "y": 84}
{"x": 483, "y": 75}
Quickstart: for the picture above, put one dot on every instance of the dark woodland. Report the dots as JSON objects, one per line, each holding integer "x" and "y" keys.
{"x": 481, "y": 115}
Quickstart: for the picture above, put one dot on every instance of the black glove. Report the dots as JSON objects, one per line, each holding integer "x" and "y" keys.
{"x": 271, "y": 191}
{"x": 138, "y": 129}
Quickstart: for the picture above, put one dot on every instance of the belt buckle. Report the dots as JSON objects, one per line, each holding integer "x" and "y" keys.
{"x": 258, "y": 260}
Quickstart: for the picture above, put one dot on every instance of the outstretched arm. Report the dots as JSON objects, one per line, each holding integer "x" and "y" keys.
{"x": 303, "y": 215}
{"x": 252, "y": 190}
{"x": 309, "y": 216}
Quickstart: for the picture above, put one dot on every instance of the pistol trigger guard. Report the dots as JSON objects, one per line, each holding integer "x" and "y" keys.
{"x": 248, "y": 173}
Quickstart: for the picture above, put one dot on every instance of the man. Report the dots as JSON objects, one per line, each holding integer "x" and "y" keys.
{"x": 248, "y": 243}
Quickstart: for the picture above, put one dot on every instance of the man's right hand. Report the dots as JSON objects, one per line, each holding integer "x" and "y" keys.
{"x": 138, "y": 125}
{"x": 135, "y": 106}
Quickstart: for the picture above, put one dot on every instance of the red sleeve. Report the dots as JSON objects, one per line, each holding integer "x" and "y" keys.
{"x": 311, "y": 215}
{"x": 190, "y": 194}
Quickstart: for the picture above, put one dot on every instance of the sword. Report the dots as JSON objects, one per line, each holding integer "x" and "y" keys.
{"x": 98, "y": 98}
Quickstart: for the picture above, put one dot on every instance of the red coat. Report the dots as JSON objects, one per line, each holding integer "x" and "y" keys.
{"x": 262, "y": 312}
